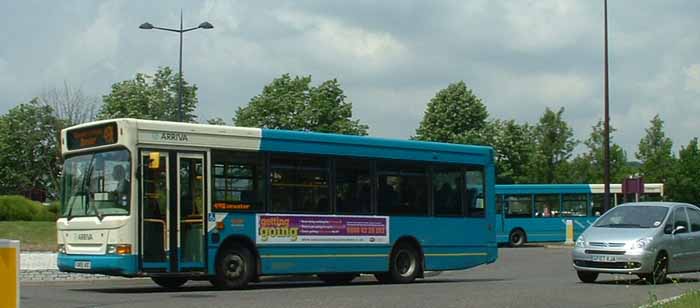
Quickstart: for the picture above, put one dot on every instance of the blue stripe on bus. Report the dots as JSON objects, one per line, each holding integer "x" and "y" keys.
{"x": 362, "y": 146}
{"x": 513, "y": 189}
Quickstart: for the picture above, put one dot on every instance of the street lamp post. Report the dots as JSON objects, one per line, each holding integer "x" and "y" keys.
{"x": 606, "y": 139}
{"x": 204, "y": 25}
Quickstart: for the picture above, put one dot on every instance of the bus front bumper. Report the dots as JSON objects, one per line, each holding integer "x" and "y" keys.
{"x": 115, "y": 265}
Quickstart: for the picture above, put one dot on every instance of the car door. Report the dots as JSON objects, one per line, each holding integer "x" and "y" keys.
{"x": 694, "y": 238}
{"x": 680, "y": 242}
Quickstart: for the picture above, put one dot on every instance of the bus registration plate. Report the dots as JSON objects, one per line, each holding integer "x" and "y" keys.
{"x": 603, "y": 258}
{"x": 83, "y": 265}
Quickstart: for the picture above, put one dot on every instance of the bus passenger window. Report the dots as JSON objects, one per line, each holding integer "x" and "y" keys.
{"x": 476, "y": 203}
{"x": 403, "y": 189}
{"x": 299, "y": 184}
{"x": 574, "y": 205}
{"x": 446, "y": 196}
{"x": 519, "y": 206}
{"x": 547, "y": 206}
{"x": 237, "y": 179}
{"x": 353, "y": 186}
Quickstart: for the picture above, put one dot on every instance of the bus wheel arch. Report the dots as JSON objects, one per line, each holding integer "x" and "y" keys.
{"x": 406, "y": 262}
{"x": 517, "y": 237}
{"x": 238, "y": 250}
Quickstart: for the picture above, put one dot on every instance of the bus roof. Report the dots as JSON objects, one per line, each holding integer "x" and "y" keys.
{"x": 150, "y": 132}
{"x": 344, "y": 145}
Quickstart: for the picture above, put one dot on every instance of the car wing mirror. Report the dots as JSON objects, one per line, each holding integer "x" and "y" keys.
{"x": 679, "y": 229}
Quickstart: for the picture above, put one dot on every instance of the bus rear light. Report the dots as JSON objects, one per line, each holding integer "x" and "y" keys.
{"x": 121, "y": 249}
{"x": 220, "y": 225}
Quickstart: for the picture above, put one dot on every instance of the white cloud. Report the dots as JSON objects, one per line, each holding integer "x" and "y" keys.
{"x": 331, "y": 40}
{"x": 692, "y": 75}
{"x": 536, "y": 26}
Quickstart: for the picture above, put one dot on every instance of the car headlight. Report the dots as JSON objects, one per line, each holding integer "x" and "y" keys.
{"x": 580, "y": 242}
{"x": 641, "y": 243}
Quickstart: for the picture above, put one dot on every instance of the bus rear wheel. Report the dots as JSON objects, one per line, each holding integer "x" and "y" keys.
{"x": 337, "y": 278}
{"x": 516, "y": 238}
{"x": 169, "y": 282}
{"x": 235, "y": 268}
{"x": 404, "y": 265}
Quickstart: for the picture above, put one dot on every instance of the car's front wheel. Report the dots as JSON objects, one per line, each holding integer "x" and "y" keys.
{"x": 587, "y": 277}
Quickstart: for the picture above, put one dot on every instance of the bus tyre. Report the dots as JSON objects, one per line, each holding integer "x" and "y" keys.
{"x": 404, "y": 264}
{"x": 169, "y": 282}
{"x": 517, "y": 238}
{"x": 587, "y": 277}
{"x": 235, "y": 268}
{"x": 337, "y": 278}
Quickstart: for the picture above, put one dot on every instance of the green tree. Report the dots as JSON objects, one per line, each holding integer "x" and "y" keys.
{"x": 292, "y": 103}
{"x": 554, "y": 144}
{"x": 150, "y": 97}
{"x": 29, "y": 153}
{"x": 684, "y": 185}
{"x": 454, "y": 115}
{"x": 655, "y": 153}
{"x": 589, "y": 167}
{"x": 513, "y": 145}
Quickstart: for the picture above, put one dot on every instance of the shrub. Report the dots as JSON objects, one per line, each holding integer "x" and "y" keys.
{"x": 13, "y": 208}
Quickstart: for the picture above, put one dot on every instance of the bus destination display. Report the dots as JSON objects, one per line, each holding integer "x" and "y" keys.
{"x": 92, "y": 136}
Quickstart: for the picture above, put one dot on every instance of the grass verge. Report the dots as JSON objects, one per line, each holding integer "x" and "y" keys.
{"x": 687, "y": 300}
{"x": 33, "y": 235}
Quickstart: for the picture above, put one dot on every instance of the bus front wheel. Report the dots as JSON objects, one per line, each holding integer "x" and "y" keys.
{"x": 235, "y": 268}
{"x": 169, "y": 282}
{"x": 517, "y": 238}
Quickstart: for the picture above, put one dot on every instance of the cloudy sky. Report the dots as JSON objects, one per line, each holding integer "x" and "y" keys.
{"x": 390, "y": 57}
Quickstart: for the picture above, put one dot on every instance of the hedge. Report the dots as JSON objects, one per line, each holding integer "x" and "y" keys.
{"x": 15, "y": 208}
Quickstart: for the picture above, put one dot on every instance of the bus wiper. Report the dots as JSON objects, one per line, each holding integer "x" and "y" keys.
{"x": 86, "y": 179}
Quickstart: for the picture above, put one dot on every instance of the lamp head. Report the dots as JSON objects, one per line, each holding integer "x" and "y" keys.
{"x": 146, "y": 26}
{"x": 206, "y": 25}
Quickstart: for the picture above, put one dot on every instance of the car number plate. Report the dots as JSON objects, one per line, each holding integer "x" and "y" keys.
{"x": 83, "y": 265}
{"x": 603, "y": 258}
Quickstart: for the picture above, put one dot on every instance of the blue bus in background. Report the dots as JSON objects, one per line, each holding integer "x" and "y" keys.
{"x": 181, "y": 201}
{"x": 539, "y": 212}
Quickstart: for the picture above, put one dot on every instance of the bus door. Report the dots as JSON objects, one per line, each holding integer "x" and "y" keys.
{"x": 172, "y": 211}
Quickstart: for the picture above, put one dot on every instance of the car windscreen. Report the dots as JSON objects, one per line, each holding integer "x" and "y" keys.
{"x": 633, "y": 217}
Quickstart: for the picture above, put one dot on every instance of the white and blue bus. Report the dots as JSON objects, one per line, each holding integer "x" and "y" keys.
{"x": 178, "y": 202}
{"x": 538, "y": 212}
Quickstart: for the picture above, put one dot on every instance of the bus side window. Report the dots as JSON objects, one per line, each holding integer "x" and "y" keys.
{"x": 403, "y": 188}
{"x": 446, "y": 195}
{"x": 475, "y": 193}
{"x": 299, "y": 184}
{"x": 353, "y": 186}
{"x": 237, "y": 181}
{"x": 519, "y": 206}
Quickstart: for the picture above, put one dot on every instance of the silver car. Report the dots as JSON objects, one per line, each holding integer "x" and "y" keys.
{"x": 649, "y": 239}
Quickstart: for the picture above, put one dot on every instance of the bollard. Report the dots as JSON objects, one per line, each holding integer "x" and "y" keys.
{"x": 569, "y": 232}
{"x": 9, "y": 273}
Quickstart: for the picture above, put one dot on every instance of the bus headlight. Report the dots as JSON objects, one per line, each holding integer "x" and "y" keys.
{"x": 61, "y": 248}
{"x": 119, "y": 249}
